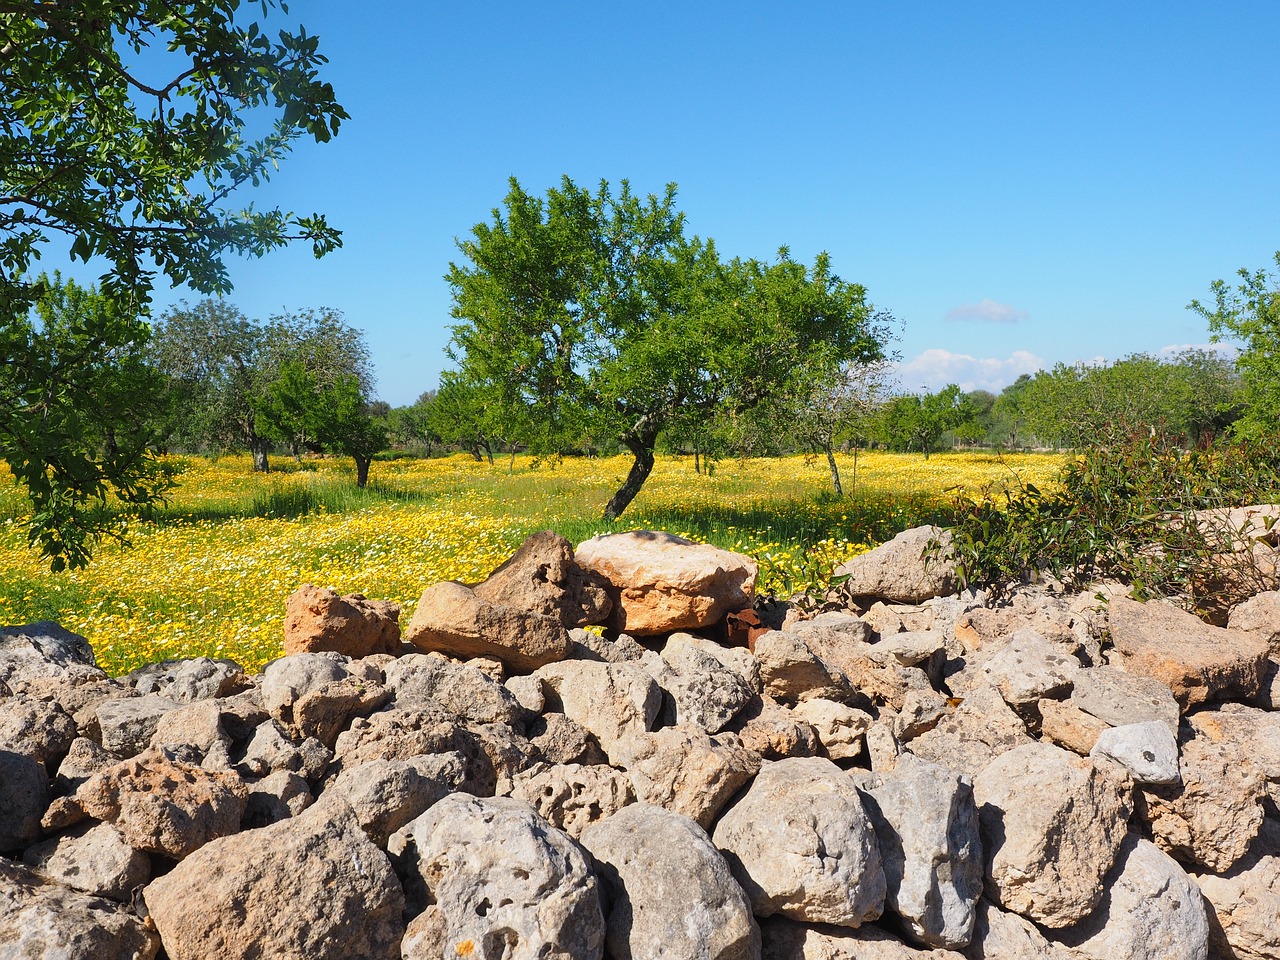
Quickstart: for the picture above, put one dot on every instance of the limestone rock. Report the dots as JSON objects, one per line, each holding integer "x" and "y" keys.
{"x": 39, "y": 728}
{"x": 840, "y": 728}
{"x": 312, "y": 887}
{"x": 902, "y": 570}
{"x": 185, "y": 681}
{"x": 44, "y": 650}
{"x": 385, "y": 795}
{"x": 926, "y": 823}
{"x": 1151, "y": 911}
{"x": 672, "y": 894}
{"x": 1052, "y": 825}
{"x": 612, "y": 700}
{"x": 980, "y": 728}
{"x": 774, "y": 732}
{"x": 451, "y": 619}
{"x": 705, "y": 692}
{"x": 659, "y": 582}
{"x": 128, "y": 725}
{"x": 164, "y": 805}
{"x": 270, "y": 750}
{"x": 461, "y": 689}
{"x": 787, "y": 940}
{"x": 561, "y": 740}
{"x": 93, "y": 859}
{"x": 277, "y": 796}
{"x": 791, "y": 671}
{"x": 494, "y": 880}
{"x": 1027, "y": 668}
{"x": 1000, "y": 935}
{"x": 289, "y": 679}
{"x": 572, "y": 796}
{"x": 1147, "y": 750}
{"x": 1065, "y": 724}
{"x": 1119, "y": 698}
{"x": 40, "y": 920}
{"x": 543, "y": 577}
{"x": 318, "y": 620}
{"x": 1244, "y": 902}
{"x": 1260, "y": 616}
{"x": 800, "y": 844}
{"x": 685, "y": 770}
{"x": 24, "y": 795}
{"x": 1199, "y": 662}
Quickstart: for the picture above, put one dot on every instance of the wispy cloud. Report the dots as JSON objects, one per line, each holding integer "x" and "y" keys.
{"x": 988, "y": 311}
{"x": 936, "y": 368}
{"x": 1228, "y": 350}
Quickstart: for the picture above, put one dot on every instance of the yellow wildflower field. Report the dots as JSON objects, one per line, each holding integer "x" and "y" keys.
{"x": 209, "y": 576}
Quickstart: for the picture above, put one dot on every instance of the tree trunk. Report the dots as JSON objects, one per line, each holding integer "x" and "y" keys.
{"x": 511, "y": 464}
{"x": 853, "y": 490}
{"x": 362, "y": 470}
{"x": 697, "y": 464}
{"x": 258, "y": 447}
{"x": 640, "y": 470}
{"x": 835, "y": 470}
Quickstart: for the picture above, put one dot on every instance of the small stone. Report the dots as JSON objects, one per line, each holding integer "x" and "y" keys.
{"x": 1147, "y": 750}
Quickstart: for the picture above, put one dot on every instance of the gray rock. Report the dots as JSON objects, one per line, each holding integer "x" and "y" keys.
{"x": 196, "y": 724}
{"x": 287, "y": 680}
{"x": 573, "y": 796}
{"x": 1149, "y": 751}
{"x": 999, "y": 935}
{"x": 40, "y": 728}
{"x": 44, "y": 649}
{"x": 185, "y": 681}
{"x": 84, "y": 758}
{"x": 494, "y": 876}
{"x": 40, "y": 920}
{"x": 312, "y": 887}
{"x": 462, "y": 690}
{"x": 670, "y": 891}
{"x": 271, "y": 750}
{"x": 705, "y": 693}
{"x": 791, "y": 671}
{"x": 528, "y": 692}
{"x": 1244, "y": 902}
{"x": 561, "y": 740}
{"x": 840, "y": 728}
{"x": 613, "y": 701}
{"x": 327, "y": 710}
{"x": 787, "y": 940}
{"x": 1052, "y": 825}
{"x": 980, "y": 728}
{"x": 1120, "y": 698}
{"x": 926, "y": 823}
{"x": 1028, "y": 667}
{"x": 773, "y": 732}
{"x": 93, "y": 859}
{"x": 275, "y": 797}
{"x": 1151, "y": 911}
{"x": 685, "y": 770}
{"x": 904, "y": 569}
{"x": 387, "y": 794}
{"x": 1259, "y": 615}
{"x": 800, "y": 844}
{"x": 128, "y": 725}
{"x": 24, "y": 795}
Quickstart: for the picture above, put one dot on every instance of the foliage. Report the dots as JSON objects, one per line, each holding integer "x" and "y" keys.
{"x": 589, "y": 318}
{"x": 1250, "y": 313}
{"x": 208, "y": 574}
{"x": 74, "y": 434}
{"x": 918, "y": 423}
{"x": 123, "y": 136}
{"x": 412, "y": 428}
{"x": 1123, "y": 508}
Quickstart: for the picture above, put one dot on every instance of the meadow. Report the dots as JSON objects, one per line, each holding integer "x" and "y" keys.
{"x": 208, "y": 575}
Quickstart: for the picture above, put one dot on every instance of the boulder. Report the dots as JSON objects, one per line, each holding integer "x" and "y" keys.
{"x": 612, "y": 700}
{"x": 773, "y": 732}
{"x": 561, "y": 740}
{"x": 980, "y": 728}
{"x": 326, "y": 711}
{"x": 40, "y": 728}
{"x": 385, "y": 795}
{"x": 787, "y": 940}
{"x": 670, "y": 891}
{"x": 1151, "y": 911}
{"x": 903, "y": 570}
{"x": 491, "y": 879}
{"x": 543, "y": 577}
{"x": 1000, "y": 935}
{"x": 93, "y": 859}
{"x": 317, "y": 620}
{"x": 1027, "y": 667}
{"x": 1065, "y": 724}
{"x": 161, "y": 804}
{"x": 1259, "y": 616}
{"x": 1118, "y": 698}
{"x": 791, "y": 671}
{"x": 419, "y": 680}
{"x": 277, "y": 796}
{"x": 926, "y": 823}
{"x": 185, "y": 681}
{"x": 685, "y": 770}
{"x": 659, "y": 582}
{"x": 44, "y": 650}
{"x": 24, "y": 795}
{"x": 128, "y": 725}
{"x": 705, "y": 693}
{"x": 313, "y": 887}
{"x": 1147, "y": 750}
{"x": 289, "y": 679}
{"x": 451, "y": 619}
{"x": 1244, "y": 902}
{"x": 40, "y": 920}
{"x": 800, "y": 844}
{"x": 1200, "y": 663}
{"x": 572, "y": 796}
{"x": 1052, "y": 826}
{"x": 270, "y": 750}
{"x": 840, "y": 728}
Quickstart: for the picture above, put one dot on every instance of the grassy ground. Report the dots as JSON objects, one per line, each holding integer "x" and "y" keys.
{"x": 209, "y": 576}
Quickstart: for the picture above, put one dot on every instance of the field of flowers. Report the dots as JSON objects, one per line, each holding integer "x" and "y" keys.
{"x": 210, "y": 574}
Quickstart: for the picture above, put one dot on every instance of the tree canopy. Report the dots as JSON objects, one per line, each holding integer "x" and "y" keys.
{"x": 590, "y": 317}
{"x": 124, "y": 134}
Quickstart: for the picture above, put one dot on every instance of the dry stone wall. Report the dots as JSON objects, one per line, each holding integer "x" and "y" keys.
{"x": 915, "y": 773}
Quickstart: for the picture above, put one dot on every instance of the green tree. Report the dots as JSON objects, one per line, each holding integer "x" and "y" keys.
{"x": 412, "y": 426}
{"x": 914, "y": 423}
{"x": 591, "y": 316}
{"x": 123, "y": 136}
{"x": 1249, "y": 313}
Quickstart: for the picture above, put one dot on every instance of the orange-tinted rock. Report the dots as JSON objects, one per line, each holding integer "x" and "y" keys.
{"x": 317, "y": 620}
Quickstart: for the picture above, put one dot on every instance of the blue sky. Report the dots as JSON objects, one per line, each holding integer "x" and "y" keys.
{"x": 1019, "y": 183}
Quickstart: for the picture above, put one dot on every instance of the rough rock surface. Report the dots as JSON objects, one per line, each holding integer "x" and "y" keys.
{"x": 94, "y": 859}
{"x": 491, "y": 879}
{"x": 670, "y": 891}
{"x": 1244, "y": 902}
{"x": 318, "y": 620}
{"x": 800, "y": 844}
{"x": 1052, "y": 825}
{"x": 313, "y": 887}
{"x": 1199, "y": 662}
{"x": 1118, "y": 698}
{"x": 902, "y": 569}
{"x": 572, "y": 796}
{"x": 612, "y": 700}
{"x": 659, "y": 582}
{"x": 788, "y": 940}
{"x": 452, "y": 620}
{"x": 24, "y": 795}
{"x": 185, "y": 681}
{"x": 1260, "y": 616}
{"x": 1148, "y": 751}
{"x": 543, "y": 577}
{"x": 980, "y": 728}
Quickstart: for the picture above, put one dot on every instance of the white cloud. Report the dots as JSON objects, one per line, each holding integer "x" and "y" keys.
{"x": 934, "y": 369}
{"x": 1228, "y": 350}
{"x": 988, "y": 311}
